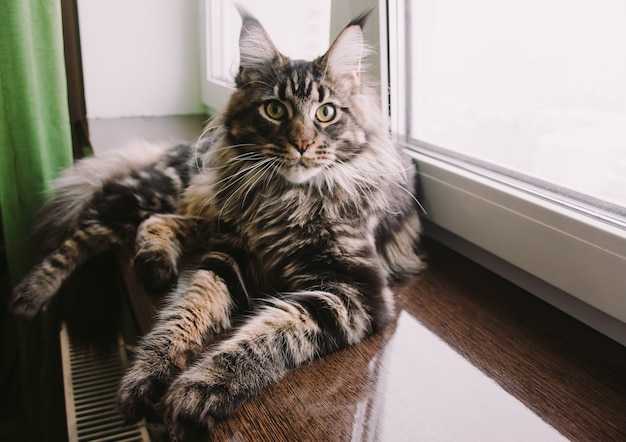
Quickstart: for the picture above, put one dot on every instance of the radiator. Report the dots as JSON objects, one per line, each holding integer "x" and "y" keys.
{"x": 91, "y": 382}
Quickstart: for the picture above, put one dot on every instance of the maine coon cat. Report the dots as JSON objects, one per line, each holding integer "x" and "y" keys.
{"x": 298, "y": 205}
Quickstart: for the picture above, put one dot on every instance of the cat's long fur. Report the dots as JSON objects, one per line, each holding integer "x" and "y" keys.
{"x": 300, "y": 205}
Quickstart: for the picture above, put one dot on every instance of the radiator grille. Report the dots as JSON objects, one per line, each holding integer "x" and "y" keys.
{"x": 91, "y": 383}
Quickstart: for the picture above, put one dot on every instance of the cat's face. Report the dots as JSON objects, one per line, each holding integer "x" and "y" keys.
{"x": 297, "y": 119}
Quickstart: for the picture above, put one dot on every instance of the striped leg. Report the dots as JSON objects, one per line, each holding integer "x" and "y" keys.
{"x": 282, "y": 335}
{"x": 39, "y": 286}
{"x": 195, "y": 312}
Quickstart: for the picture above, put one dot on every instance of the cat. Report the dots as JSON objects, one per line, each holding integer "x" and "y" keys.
{"x": 301, "y": 212}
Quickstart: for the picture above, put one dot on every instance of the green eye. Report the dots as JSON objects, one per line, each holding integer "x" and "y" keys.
{"x": 275, "y": 110}
{"x": 325, "y": 113}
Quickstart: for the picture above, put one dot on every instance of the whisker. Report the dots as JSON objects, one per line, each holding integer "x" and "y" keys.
{"x": 366, "y": 177}
{"x": 243, "y": 158}
{"x": 412, "y": 195}
{"x": 259, "y": 172}
{"x": 274, "y": 165}
{"x": 243, "y": 175}
{"x": 237, "y": 176}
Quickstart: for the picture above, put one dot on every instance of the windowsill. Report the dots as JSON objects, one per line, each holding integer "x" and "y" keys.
{"x": 596, "y": 319}
{"x": 569, "y": 260}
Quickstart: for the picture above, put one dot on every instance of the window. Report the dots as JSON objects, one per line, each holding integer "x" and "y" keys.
{"x": 517, "y": 116}
{"x": 536, "y": 88}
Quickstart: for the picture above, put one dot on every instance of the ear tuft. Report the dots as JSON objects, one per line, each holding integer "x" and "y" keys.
{"x": 361, "y": 19}
{"x": 345, "y": 55}
{"x": 256, "y": 48}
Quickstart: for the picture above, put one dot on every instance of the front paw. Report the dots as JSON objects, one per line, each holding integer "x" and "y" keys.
{"x": 156, "y": 271}
{"x": 140, "y": 393}
{"x": 196, "y": 400}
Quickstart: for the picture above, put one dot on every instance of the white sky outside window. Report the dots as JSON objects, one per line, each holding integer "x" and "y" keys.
{"x": 299, "y": 28}
{"x": 536, "y": 86}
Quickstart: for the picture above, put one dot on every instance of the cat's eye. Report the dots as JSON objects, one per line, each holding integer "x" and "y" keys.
{"x": 275, "y": 110}
{"x": 325, "y": 113}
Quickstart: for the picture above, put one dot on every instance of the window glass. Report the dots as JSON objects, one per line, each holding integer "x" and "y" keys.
{"x": 534, "y": 86}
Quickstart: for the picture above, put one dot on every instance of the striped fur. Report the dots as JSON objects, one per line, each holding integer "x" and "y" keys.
{"x": 300, "y": 213}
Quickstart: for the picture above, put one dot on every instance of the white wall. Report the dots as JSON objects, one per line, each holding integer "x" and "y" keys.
{"x": 140, "y": 57}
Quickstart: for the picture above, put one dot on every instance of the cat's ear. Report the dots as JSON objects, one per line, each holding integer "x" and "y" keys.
{"x": 345, "y": 55}
{"x": 256, "y": 49}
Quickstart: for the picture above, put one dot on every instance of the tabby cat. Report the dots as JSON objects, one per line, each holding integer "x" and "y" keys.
{"x": 300, "y": 206}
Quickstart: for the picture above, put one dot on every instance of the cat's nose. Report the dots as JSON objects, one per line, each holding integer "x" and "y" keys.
{"x": 302, "y": 145}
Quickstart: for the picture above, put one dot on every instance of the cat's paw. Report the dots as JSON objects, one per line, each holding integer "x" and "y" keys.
{"x": 156, "y": 270}
{"x": 29, "y": 298}
{"x": 200, "y": 397}
{"x": 158, "y": 250}
{"x": 140, "y": 392}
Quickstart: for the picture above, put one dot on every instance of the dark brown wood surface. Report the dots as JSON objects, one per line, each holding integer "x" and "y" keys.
{"x": 470, "y": 358}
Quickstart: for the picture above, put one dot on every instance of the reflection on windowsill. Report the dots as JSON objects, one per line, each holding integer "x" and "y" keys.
{"x": 446, "y": 397}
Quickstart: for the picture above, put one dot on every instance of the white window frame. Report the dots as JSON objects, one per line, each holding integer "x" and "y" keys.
{"x": 575, "y": 262}
{"x": 215, "y": 94}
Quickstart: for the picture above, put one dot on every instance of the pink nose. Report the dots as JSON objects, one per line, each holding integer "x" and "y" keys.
{"x": 302, "y": 145}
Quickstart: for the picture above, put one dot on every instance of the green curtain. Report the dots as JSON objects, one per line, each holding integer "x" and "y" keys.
{"x": 35, "y": 145}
